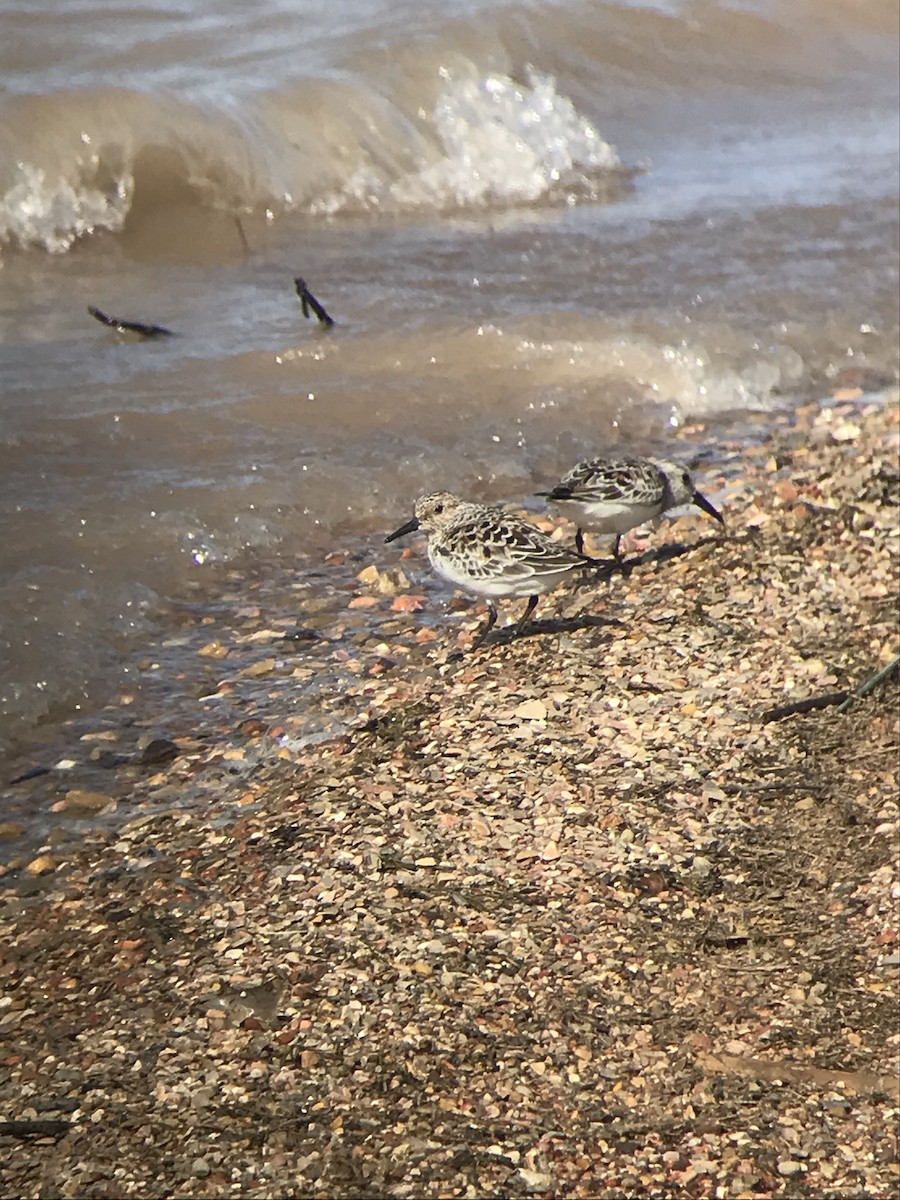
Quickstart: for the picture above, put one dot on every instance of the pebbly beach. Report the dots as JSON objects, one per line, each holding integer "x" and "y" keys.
{"x": 606, "y": 910}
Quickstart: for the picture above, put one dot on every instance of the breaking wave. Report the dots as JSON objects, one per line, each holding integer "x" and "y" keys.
{"x": 487, "y": 140}
{"x": 387, "y": 109}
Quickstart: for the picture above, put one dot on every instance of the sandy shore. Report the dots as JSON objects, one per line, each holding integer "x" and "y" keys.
{"x": 567, "y": 917}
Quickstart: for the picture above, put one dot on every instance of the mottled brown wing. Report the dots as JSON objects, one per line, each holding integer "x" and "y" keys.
{"x": 634, "y": 480}
{"x": 497, "y": 547}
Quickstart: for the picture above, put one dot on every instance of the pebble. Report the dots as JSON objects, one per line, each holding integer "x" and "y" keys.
{"x": 213, "y": 650}
{"x": 535, "y": 1181}
{"x": 263, "y": 667}
{"x": 42, "y": 865}
{"x": 159, "y": 750}
{"x": 789, "y": 1167}
{"x": 200, "y": 1168}
{"x": 78, "y": 800}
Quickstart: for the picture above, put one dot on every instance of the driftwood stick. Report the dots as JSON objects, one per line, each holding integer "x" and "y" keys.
{"x": 241, "y": 234}
{"x": 804, "y": 706}
{"x": 308, "y": 303}
{"x": 34, "y": 1128}
{"x": 138, "y": 327}
{"x": 34, "y": 773}
{"x": 842, "y": 699}
{"x": 871, "y": 682}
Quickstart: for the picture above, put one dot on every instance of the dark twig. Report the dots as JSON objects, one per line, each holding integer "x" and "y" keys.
{"x": 842, "y": 699}
{"x": 803, "y": 706}
{"x": 32, "y": 774}
{"x": 138, "y": 327}
{"x": 240, "y": 228}
{"x": 871, "y": 682}
{"x": 308, "y": 303}
{"x": 34, "y": 1128}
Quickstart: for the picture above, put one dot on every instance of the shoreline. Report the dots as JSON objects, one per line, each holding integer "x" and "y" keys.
{"x": 216, "y": 633}
{"x": 564, "y": 918}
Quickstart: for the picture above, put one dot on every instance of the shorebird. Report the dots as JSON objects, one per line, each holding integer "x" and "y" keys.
{"x": 615, "y": 495}
{"x": 491, "y": 552}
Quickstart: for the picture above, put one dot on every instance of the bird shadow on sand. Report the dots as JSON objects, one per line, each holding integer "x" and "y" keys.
{"x": 672, "y": 550}
{"x": 547, "y": 625}
{"x": 541, "y": 628}
{"x": 555, "y": 625}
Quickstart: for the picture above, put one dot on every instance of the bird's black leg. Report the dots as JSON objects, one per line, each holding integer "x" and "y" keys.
{"x": 624, "y": 566}
{"x": 525, "y": 618}
{"x": 489, "y": 625}
{"x": 579, "y": 541}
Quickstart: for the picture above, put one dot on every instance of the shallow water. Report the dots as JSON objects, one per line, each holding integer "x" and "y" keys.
{"x": 543, "y": 229}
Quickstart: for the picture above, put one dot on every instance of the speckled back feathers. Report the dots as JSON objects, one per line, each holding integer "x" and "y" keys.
{"x": 489, "y": 551}
{"x": 641, "y": 481}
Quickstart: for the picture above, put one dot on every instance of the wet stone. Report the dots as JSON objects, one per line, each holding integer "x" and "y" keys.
{"x": 42, "y": 865}
{"x": 80, "y": 801}
{"x": 158, "y": 751}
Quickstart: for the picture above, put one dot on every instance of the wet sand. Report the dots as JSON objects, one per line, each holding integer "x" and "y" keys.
{"x": 566, "y": 917}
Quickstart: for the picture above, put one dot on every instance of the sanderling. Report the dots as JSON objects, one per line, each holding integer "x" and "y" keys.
{"x": 614, "y": 495}
{"x": 491, "y": 552}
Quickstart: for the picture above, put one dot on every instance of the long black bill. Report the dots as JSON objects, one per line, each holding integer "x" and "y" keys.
{"x": 409, "y": 527}
{"x": 702, "y": 502}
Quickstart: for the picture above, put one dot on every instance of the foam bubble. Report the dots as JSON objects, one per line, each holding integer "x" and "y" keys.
{"x": 498, "y": 142}
{"x": 53, "y": 213}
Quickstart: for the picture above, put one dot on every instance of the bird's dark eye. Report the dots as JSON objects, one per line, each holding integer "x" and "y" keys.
{"x": 438, "y": 508}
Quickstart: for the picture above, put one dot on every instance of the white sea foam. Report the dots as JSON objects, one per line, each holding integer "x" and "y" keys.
{"x": 488, "y": 140}
{"x": 503, "y": 141}
{"x": 52, "y": 213}
{"x": 683, "y": 376}
{"x": 497, "y": 142}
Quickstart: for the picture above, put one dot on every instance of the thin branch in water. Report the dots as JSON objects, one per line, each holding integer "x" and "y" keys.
{"x": 34, "y": 773}
{"x": 308, "y": 303}
{"x": 138, "y": 327}
{"x": 241, "y": 234}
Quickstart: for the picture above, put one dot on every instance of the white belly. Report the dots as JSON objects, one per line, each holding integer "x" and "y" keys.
{"x": 609, "y": 516}
{"x": 484, "y": 584}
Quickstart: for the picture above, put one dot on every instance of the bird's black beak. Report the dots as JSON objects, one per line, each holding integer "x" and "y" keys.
{"x": 702, "y": 502}
{"x": 409, "y": 527}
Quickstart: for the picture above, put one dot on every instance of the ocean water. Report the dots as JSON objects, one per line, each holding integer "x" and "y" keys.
{"x": 543, "y": 228}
